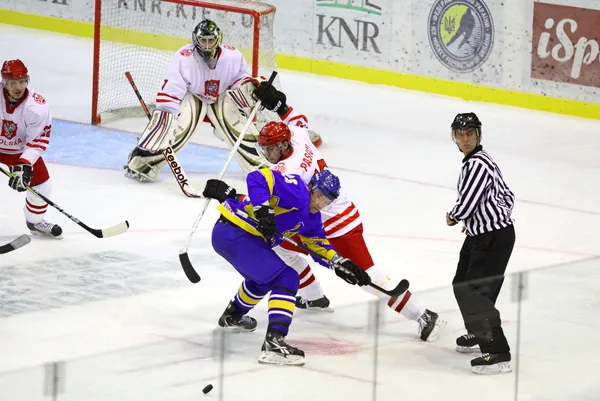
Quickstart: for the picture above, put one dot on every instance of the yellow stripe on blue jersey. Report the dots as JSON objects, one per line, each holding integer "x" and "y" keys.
{"x": 318, "y": 245}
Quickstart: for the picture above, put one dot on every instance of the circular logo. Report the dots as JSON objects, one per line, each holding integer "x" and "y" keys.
{"x": 461, "y": 33}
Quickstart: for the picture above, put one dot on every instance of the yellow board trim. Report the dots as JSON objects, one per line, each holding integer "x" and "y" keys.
{"x": 438, "y": 86}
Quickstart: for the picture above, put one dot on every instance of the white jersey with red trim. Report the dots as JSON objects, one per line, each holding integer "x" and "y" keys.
{"x": 340, "y": 216}
{"x": 187, "y": 72}
{"x": 26, "y": 125}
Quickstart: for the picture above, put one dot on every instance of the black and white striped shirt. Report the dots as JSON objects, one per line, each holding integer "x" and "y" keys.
{"x": 484, "y": 200}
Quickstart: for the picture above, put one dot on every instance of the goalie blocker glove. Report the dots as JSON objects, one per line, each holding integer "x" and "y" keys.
{"x": 21, "y": 176}
{"x": 271, "y": 98}
{"x": 219, "y": 190}
{"x": 349, "y": 271}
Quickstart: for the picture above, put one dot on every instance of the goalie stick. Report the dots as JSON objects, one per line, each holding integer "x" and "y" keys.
{"x": 103, "y": 233}
{"x": 184, "y": 258}
{"x": 168, "y": 153}
{"x": 398, "y": 290}
{"x": 15, "y": 244}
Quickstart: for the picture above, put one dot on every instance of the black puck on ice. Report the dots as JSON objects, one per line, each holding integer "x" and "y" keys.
{"x": 207, "y": 389}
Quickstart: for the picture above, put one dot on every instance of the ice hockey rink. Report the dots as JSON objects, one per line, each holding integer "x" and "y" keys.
{"x": 123, "y": 322}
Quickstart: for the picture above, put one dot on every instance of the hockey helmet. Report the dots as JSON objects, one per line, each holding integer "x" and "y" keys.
{"x": 207, "y": 38}
{"x": 273, "y": 132}
{"x": 466, "y": 121}
{"x": 14, "y": 69}
{"x": 326, "y": 182}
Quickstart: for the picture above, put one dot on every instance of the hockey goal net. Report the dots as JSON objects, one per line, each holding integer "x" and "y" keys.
{"x": 140, "y": 36}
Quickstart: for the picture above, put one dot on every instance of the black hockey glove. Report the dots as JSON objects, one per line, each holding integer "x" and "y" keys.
{"x": 348, "y": 271}
{"x": 271, "y": 98}
{"x": 266, "y": 220}
{"x": 219, "y": 190}
{"x": 21, "y": 176}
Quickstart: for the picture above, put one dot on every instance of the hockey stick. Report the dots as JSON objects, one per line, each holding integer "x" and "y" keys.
{"x": 399, "y": 289}
{"x": 184, "y": 258}
{"x": 15, "y": 244}
{"x": 103, "y": 233}
{"x": 168, "y": 153}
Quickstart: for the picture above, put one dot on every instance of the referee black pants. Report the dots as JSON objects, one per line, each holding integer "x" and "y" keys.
{"x": 477, "y": 283}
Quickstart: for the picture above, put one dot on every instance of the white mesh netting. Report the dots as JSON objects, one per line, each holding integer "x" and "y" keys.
{"x": 140, "y": 36}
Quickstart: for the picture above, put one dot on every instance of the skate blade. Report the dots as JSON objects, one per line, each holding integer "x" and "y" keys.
{"x": 502, "y": 367}
{"x": 41, "y": 235}
{"x": 437, "y": 330}
{"x": 468, "y": 350}
{"x": 272, "y": 358}
{"x": 317, "y": 310}
{"x": 235, "y": 329}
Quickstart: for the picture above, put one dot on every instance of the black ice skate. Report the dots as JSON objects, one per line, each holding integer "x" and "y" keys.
{"x": 236, "y": 324}
{"x": 490, "y": 364}
{"x": 430, "y": 326}
{"x": 45, "y": 229}
{"x": 276, "y": 351}
{"x": 316, "y": 305}
{"x": 467, "y": 343}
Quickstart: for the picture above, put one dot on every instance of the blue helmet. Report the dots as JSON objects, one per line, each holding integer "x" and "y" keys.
{"x": 327, "y": 183}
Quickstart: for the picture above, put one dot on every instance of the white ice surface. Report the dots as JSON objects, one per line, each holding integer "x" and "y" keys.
{"x": 126, "y": 296}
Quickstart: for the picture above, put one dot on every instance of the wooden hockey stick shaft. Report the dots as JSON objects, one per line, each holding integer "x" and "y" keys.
{"x": 98, "y": 233}
{"x": 399, "y": 289}
{"x": 168, "y": 153}
{"x": 184, "y": 258}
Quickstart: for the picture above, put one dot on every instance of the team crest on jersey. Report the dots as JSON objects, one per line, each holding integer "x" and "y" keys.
{"x": 211, "y": 87}
{"x": 38, "y": 98}
{"x": 9, "y": 129}
{"x": 186, "y": 52}
{"x": 280, "y": 167}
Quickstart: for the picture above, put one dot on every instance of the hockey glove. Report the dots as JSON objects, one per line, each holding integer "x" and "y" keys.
{"x": 266, "y": 220}
{"x": 349, "y": 271}
{"x": 21, "y": 176}
{"x": 271, "y": 98}
{"x": 219, "y": 190}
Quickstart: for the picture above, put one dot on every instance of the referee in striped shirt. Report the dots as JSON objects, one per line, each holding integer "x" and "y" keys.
{"x": 484, "y": 205}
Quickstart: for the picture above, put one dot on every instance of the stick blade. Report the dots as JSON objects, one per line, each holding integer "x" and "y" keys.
{"x": 15, "y": 244}
{"x": 188, "y": 269}
{"x": 400, "y": 288}
{"x": 115, "y": 230}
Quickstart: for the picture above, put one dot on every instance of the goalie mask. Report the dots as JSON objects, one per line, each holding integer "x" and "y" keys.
{"x": 207, "y": 38}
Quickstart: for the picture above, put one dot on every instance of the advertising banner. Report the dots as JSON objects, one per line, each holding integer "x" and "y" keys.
{"x": 565, "y": 44}
{"x": 459, "y": 39}
{"x": 353, "y": 31}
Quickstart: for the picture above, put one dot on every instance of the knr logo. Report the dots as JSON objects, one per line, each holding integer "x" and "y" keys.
{"x": 565, "y": 44}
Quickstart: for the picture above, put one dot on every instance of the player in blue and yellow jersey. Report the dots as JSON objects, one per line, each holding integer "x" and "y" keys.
{"x": 275, "y": 203}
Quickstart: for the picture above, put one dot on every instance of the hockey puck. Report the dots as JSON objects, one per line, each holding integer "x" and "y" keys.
{"x": 207, "y": 389}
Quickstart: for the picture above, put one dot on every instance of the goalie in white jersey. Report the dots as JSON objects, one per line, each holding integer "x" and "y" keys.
{"x": 26, "y": 125}
{"x": 205, "y": 79}
{"x": 287, "y": 145}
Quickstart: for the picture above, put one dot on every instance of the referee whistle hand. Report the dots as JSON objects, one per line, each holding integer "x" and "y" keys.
{"x": 449, "y": 221}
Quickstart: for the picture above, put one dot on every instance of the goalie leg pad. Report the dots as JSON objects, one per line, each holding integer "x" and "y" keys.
{"x": 144, "y": 165}
{"x": 229, "y": 120}
{"x": 158, "y": 133}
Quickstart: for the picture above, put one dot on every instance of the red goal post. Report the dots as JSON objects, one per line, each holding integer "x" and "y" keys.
{"x": 141, "y": 36}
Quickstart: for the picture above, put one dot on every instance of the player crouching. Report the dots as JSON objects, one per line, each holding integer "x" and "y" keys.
{"x": 245, "y": 234}
{"x": 26, "y": 125}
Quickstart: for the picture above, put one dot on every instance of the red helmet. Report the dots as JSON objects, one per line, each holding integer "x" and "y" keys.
{"x": 14, "y": 69}
{"x": 274, "y": 132}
